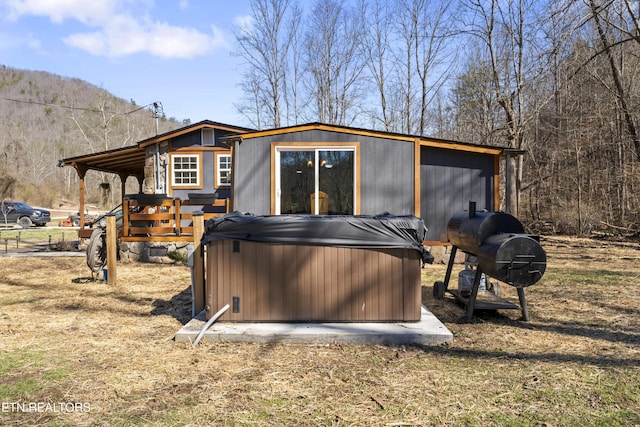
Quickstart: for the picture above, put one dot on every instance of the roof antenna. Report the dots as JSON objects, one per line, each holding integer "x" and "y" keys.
{"x": 157, "y": 112}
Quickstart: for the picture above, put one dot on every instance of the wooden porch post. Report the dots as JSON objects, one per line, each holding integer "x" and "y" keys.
{"x": 140, "y": 178}
{"x": 81, "y": 173}
{"x": 112, "y": 249}
{"x": 199, "y": 285}
{"x": 123, "y": 181}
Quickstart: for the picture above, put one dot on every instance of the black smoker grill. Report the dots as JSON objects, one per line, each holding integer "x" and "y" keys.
{"x": 503, "y": 251}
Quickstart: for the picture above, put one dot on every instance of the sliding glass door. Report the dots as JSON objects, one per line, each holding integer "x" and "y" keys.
{"x": 317, "y": 181}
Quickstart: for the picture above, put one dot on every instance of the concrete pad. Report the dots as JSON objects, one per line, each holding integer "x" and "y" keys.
{"x": 429, "y": 330}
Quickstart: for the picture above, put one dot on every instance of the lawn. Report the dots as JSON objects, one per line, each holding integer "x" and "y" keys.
{"x": 12, "y": 239}
{"x": 79, "y": 352}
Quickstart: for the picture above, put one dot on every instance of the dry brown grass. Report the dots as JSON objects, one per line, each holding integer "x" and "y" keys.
{"x": 66, "y": 339}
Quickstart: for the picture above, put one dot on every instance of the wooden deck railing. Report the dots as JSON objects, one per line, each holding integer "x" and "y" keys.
{"x": 164, "y": 221}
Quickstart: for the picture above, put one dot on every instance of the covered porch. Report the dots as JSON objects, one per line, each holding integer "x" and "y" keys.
{"x": 179, "y": 172}
{"x": 143, "y": 217}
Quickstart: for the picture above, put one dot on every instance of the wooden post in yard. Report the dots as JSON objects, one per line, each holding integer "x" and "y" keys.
{"x": 198, "y": 262}
{"x": 112, "y": 249}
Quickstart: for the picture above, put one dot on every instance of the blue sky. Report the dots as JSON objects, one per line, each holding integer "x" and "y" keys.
{"x": 176, "y": 52}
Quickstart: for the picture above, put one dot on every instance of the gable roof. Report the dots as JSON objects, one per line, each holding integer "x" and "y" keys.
{"x": 127, "y": 161}
{"x": 423, "y": 140}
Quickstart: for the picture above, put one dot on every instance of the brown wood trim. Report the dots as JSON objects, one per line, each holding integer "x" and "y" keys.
{"x": 232, "y": 151}
{"x": 417, "y": 185}
{"x": 189, "y": 129}
{"x": 453, "y": 145}
{"x": 125, "y": 217}
{"x": 318, "y": 145}
{"x": 171, "y": 186}
{"x": 357, "y": 209}
{"x": 496, "y": 151}
{"x": 153, "y": 230}
{"x": 81, "y": 173}
{"x": 159, "y": 216}
{"x": 171, "y": 238}
{"x": 199, "y": 284}
{"x": 201, "y": 149}
{"x": 496, "y": 183}
{"x": 217, "y": 202}
{"x": 112, "y": 256}
{"x": 302, "y": 128}
{"x": 187, "y": 216}
{"x": 274, "y": 145}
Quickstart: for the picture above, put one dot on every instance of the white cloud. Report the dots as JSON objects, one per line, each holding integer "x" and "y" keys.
{"x": 128, "y": 37}
{"x": 117, "y": 33}
{"x": 93, "y": 43}
{"x": 88, "y": 12}
{"x": 245, "y": 23}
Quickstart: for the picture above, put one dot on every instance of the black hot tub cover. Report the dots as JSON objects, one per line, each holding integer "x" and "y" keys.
{"x": 360, "y": 231}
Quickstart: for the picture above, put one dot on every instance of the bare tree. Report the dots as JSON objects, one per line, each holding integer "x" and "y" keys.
{"x": 477, "y": 113}
{"x": 423, "y": 29}
{"x": 608, "y": 13}
{"x": 334, "y": 62}
{"x": 103, "y": 128}
{"x": 507, "y": 31}
{"x": 266, "y": 44}
{"x": 376, "y": 49}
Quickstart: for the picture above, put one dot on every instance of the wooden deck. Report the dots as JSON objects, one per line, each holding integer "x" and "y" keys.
{"x": 163, "y": 221}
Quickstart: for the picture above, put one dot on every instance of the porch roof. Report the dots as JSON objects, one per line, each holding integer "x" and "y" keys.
{"x": 125, "y": 161}
{"x": 129, "y": 161}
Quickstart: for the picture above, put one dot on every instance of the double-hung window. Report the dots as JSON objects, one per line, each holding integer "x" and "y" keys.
{"x": 223, "y": 170}
{"x": 185, "y": 170}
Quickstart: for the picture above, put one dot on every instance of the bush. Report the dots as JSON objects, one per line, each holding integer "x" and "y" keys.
{"x": 178, "y": 256}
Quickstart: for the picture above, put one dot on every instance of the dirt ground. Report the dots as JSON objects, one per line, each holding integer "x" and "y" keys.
{"x": 78, "y": 352}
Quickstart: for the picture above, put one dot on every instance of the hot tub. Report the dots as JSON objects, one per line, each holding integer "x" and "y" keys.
{"x": 300, "y": 268}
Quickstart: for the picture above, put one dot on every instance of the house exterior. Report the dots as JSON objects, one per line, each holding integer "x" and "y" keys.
{"x": 326, "y": 169}
{"x": 309, "y": 169}
{"x": 313, "y": 169}
{"x": 190, "y": 160}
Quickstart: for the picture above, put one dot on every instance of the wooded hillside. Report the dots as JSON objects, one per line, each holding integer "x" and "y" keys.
{"x": 45, "y": 117}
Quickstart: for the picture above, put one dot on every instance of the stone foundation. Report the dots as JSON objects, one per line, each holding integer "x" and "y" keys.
{"x": 155, "y": 252}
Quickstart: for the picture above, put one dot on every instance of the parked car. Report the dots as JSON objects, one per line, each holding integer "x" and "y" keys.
{"x": 23, "y": 214}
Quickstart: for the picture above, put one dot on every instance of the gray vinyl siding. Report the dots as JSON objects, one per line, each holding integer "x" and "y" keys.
{"x": 386, "y": 175}
{"x": 449, "y": 180}
{"x": 203, "y": 137}
{"x": 191, "y": 139}
{"x": 252, "y": 177}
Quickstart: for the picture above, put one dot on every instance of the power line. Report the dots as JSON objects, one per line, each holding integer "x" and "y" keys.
{"x": 93, "y": 110}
